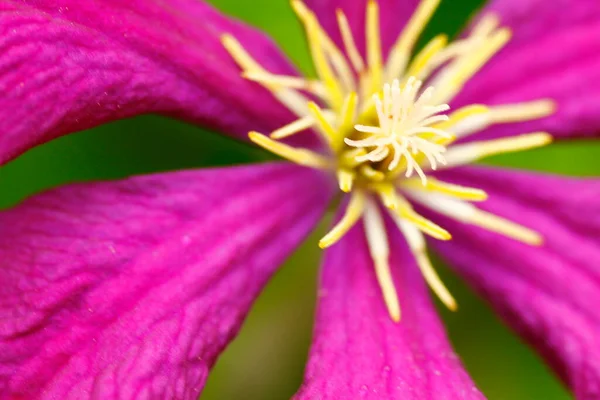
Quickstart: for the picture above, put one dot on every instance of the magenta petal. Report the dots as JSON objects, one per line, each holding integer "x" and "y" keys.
{"x": 530, "y": 67}
{"x": 549, "y": 294}
{"x": 70, "y": 65}
{"x": 358, "y": 352}
{"x": 393, "y": 16}
{"x": 131, "y": 289}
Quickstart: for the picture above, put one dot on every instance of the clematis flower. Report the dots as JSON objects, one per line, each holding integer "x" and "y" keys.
{"x": 131, "y": 289}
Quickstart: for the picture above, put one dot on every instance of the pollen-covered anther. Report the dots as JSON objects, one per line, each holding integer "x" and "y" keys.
{"x": 406, "y": 129}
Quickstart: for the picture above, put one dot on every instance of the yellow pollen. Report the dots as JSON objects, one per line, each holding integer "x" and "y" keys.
{"x": 387, "y": 127}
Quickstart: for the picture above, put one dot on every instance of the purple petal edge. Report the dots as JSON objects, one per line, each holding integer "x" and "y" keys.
{"x": 131, "y": 289}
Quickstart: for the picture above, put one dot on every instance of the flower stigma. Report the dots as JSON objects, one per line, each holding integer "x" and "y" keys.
{"x": 387, "y": 127}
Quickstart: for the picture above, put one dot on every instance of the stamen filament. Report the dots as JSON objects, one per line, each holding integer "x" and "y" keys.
{"x": 349, "y": 43}
{"x": 421, "y": 66}
{"x": 348, "y": 158}
{"x": 406, "y": 211}
{"x": 380, "y": 250}
{"x": 293, "y": 100}
{"x": 348, "y": 113}
{"x": 315, "y": 40}
{"x": 330, "y": 134}
{"x": 292, "y": 128}
{"x": 345, "y": 179}
{"x": 469, "y": 152}
{"x": 451, "y": 82}
{"x": 434, "y": 185}
{"x": 387, "y": 193}
{"x": 354, "y": 211}
{"x": 298, "y": 156}
{"x": 416, "y": 243}
{"x": 522, "y": 111}
{"x": 402, "y": 49}
{"x": 371, "y": 173}
{"x": 486, "y": 25}
{"x": 468, "y": 213}
{"x": 292, "y": 82}
{"x": 374, "y": 58}
{"x": 466, "y": 120}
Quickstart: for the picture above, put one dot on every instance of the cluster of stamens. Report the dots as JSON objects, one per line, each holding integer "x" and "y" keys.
{"x": 403, "y": 120}
{"x": 382, "y": 126}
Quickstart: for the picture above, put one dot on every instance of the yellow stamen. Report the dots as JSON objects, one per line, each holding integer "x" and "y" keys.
{"x": 424, "y": 225}
{"x": 479, "y": 58}
{"x": 522, "y": 111}
{"x": 349, "y": 43}
{"x": 416, "y": 243}
{"x": 468, "y": 213}
{"x": 402, "y": 49}
{"x": 420, "y": 67}
{"x": 455, "y": 78}
{"x": 354, "y": 211}
{"x": 315, "y": 40}
{"x": 387, "y": 193}
{"x": 371, "y": 173}
{"x": 292, "y": 82}
{"x": 345, "y": 179}
{"x": 293, "y": 100}
{"x": 298, "y": 156}
{"x": 406, "y": 211}
{"x": 240, "y": 55}
{"x": 467, "y": 153}
{"x": 379, "y": 249}
{"x": 466, "y": 120}
{"x": 486, "y": 25}
{"x": 374, "y": 58}
{"x": 458, "y": 191}
{"x": 348, "y": 157}
{"x": 505, "y": 227}
{"x": 348, "y": 113}
{"x": 329, "y": 132}
{"x": 292, "y": 128}
{"x": 338, "y": 61}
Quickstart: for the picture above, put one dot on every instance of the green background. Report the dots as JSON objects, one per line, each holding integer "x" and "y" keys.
{"x": 266, "y": 361}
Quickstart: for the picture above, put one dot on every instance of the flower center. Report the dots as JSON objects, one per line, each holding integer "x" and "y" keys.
{"x": 405, "y": 130}
{"x": 386, "y": 130}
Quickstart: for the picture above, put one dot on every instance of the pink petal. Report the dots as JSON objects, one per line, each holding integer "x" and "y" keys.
{"x": 69, "y": 65}
{"x": 554, "y": 53}
{"x": 548, "y": 294}
{"x": 393, "y": 15}
{"x": 358, "y": 352}
{"x": 131, "y": 289}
